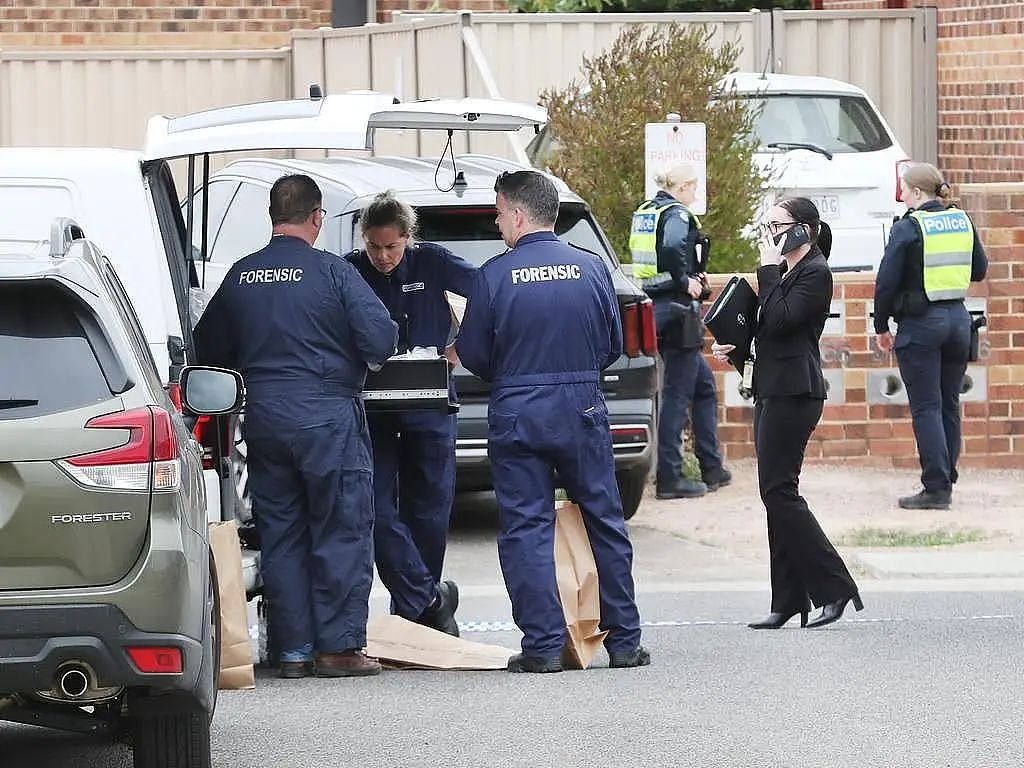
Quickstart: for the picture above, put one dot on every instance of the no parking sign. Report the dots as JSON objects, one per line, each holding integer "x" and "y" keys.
{"x": 669, "y": 144}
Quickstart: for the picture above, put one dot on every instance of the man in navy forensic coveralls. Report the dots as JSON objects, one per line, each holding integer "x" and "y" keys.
{"x": 302, "y": 327}
{"x": 541, "y": 324}
{"x": 413, "y": 452}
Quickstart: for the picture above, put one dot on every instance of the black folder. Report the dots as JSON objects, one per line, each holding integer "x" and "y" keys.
{"x": 732, "y": 317}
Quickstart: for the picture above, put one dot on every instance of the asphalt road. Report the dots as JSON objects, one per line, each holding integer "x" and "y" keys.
{"x": 930, "y": 674}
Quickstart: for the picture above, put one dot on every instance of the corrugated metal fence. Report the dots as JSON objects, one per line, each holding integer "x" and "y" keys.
{"x": 90, "y": 98}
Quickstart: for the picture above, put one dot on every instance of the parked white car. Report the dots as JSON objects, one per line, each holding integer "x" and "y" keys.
{"x": 824, "y": 139}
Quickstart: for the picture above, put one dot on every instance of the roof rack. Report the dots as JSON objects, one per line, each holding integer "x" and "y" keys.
{"x": 63, "y": 232}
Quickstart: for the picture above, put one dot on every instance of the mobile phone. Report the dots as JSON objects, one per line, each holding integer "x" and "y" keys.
{"x": 795, "y": 237}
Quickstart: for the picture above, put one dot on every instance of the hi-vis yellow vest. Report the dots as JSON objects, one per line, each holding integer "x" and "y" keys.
{"x": 948, "y": 238}
{"x": 643, "y": 241}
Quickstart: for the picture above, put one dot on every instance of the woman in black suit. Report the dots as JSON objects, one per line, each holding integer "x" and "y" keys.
{"x": 794, "y": 293}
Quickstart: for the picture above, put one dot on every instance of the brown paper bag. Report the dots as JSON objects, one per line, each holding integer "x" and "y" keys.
{"x": 236, "y": 671}
{"x": 398, "y": 642}
{"x": 576, "y": 574}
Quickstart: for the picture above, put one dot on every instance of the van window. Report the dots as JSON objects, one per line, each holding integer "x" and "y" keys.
{"x": 246, "y": 226}
{"x": 28, "y": 210}
{"x": 470, "y": 231}
{"x": 835, "y": 123}
{"x": 42, "y": 328}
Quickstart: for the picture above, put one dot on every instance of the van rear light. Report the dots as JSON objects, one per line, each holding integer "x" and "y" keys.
{"x": 901, "y": 166}
{"x": 631, "y": 330}
{"x": 156, "y": 659}
{"x": 148, "y": 460}
{"x": 648, "y": 329}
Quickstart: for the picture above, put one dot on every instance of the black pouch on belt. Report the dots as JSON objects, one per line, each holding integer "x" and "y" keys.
{"x": 682, "y": 328}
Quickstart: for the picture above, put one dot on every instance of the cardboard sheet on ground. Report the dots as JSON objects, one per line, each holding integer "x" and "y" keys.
{"x": 236, "y": 669}
{"x": 403, "y": 644}
{"x": 576, "y": 573}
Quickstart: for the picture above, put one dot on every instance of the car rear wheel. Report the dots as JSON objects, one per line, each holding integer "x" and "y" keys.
{"x": 631, "y": 489}
{"x": 170, "y": 739}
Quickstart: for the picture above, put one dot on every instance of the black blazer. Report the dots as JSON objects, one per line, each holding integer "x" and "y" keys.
{"x": 792, "y": 313}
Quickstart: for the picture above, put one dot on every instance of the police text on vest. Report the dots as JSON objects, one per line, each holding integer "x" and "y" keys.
{"x": 543, "y": 274}
{"x": 277, "y": 275}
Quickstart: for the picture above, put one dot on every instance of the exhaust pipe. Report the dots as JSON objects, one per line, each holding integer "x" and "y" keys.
{"x": 73, "y": 681}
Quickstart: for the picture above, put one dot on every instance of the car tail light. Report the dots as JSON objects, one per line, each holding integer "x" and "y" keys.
{"x": 901, "y": 165}
{"x": 149, "y": 460}
{"x": 206, "y": 433}
{"x": 631, "y": 330}
{"x": 639, "y": 335}
{"x": 156, "y": 659}
{"x": 648, "y": 329}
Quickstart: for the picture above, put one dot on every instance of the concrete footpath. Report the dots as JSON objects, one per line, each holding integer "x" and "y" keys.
{"x": 980, "y": 536}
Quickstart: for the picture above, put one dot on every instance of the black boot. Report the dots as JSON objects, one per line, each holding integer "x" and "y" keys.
{"x": 680, "y": 488}
{"x": 717, "y": 478}
{"x": 927, "y": 500}
{"x": 776, "y": 620}
{"x": 833, "y": 611}
{"x": 536, "y": 664}
{"x": 440, "y": 614}
{"x": 638, "y": 657}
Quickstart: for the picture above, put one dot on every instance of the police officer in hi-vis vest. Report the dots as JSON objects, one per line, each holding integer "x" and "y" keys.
{"x": 932, "y": 257}
{"x": 303, "y": 328}
{"x": 664, "y": 239}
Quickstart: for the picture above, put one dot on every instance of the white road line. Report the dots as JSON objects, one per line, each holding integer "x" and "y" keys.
{"x": 508, "y": 626}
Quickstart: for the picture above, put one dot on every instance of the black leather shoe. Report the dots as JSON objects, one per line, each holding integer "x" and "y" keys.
{"x": 638, "y": 657}
{"x": 440, "y": 614}
{"x": 681, "y": 488}
{"x": 833, "y": 611}
{"x": 927, "y": 500}
{"x": 295, "y": 670}
{"x": 777, "y": 620}
{"x": 535, "y": 664}
{"x": 717, "y": 478}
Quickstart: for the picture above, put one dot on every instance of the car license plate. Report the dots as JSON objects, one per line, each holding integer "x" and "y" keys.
{"x": 828, "y": 205}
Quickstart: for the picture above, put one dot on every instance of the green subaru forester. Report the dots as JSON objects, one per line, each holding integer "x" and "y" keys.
{"x": 108, "y": 600}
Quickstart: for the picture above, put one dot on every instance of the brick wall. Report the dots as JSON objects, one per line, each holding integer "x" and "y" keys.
{"x": 857, "y": 432}
{"x": 183, "y": 23}
{"x": 981, "y": 84}
{"x": 162, "y": 23}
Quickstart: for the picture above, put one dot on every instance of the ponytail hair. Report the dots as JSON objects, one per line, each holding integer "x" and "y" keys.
{"x": 927, "y": 178}
{"x": 805, "y": 212}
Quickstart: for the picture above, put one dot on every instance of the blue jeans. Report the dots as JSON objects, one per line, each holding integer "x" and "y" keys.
{"x": 932, "y": 353}
{"x": 687, "y": 380}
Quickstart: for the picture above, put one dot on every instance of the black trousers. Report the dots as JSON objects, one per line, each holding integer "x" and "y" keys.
{"x": 804, "y": 564}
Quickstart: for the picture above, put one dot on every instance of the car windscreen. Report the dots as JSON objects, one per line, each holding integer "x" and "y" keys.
{"x": 470, "y": 231}
{"x": 51, "y": 350}
{"x": 834, "y": 123}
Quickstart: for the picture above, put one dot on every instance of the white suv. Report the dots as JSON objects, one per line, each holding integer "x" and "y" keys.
{"x": 824, "y": 139}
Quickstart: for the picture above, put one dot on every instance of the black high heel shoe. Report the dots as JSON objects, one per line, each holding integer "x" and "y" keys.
{"x": 834, "y": 611}
{"x": 776, "y": 620}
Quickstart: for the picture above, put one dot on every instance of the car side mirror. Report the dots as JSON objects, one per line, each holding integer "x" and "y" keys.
{"x": 211, "y": 391}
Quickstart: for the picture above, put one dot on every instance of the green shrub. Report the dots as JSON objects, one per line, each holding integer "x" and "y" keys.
{"x": 599, "y": 125}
